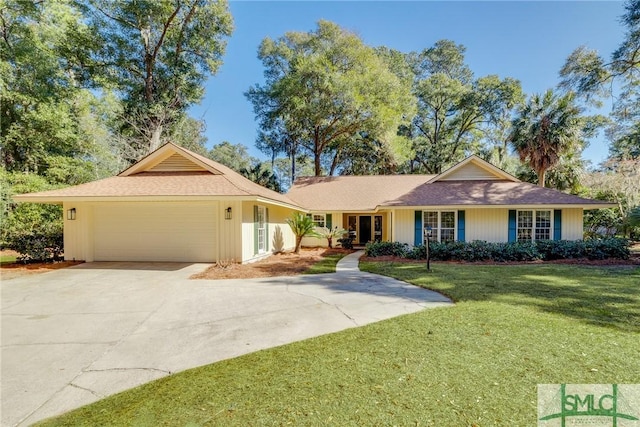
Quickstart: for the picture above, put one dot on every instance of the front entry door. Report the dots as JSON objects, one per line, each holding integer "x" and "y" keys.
{"x": 365, "y": 229}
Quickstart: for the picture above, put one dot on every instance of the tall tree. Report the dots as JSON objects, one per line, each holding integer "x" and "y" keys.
{"x": 547, "y": 128}
{"x": 594, "y": 77}
{"x": 322, "y": 89}
{"x": 157, "y": 54}
{"x": 42, "y": 103}
{"x": 235, "y": 156}
{"x": 261, "y": 173}
{"x": 282, "y": 170}
{"x": 454, "y": 109}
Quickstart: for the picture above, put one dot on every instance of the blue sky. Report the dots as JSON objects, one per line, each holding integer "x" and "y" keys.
{"x": 525, "y": 40}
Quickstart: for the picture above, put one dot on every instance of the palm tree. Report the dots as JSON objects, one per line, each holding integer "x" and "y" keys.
{"x": 301, "y": 225}
{"x": 547, "y": 128}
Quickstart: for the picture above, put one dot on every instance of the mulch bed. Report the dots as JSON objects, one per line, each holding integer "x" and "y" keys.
{"x": 284, "y": 264}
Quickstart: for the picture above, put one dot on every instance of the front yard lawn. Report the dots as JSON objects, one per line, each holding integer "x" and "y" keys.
{"x": 474, "y": 364}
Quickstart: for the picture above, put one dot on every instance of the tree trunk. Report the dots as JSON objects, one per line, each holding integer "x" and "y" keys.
{"x": 156, "y": 133}
{"x": 541, "y": 177}
{"x": 316, "y": 163}
{"x": 298, "y": 244}
{"x": 317, "y": 152}
{"x": 293, "y": 167}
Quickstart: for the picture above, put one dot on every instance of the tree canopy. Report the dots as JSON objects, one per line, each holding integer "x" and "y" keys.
{"x": 455, "y": 109}
{"x": 324, "y": 89}
{"x": 42, "y": 102}
{"x": 156, "y": 54}
{"x": 594, "y": 77}
{"x": 235, "y": 156}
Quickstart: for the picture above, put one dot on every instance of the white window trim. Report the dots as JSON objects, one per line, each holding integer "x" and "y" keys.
{"x": 324, "y": 219}
{"x": 438, "y": 236}
{"x": 533, "y": 223}
{"x": 262, "y": 210}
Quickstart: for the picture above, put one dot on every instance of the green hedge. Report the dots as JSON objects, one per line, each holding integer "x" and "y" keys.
{"x": 502, "y": 252}
{"x": 376, "y": 249}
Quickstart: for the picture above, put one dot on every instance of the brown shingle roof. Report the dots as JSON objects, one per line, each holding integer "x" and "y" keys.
{"x": 340, "y": 193}
{"x": 366, "y": 193}
{"x": 487, "y": 193}
{"x": 226, "y": 182}
{"x": 352, "y": 193}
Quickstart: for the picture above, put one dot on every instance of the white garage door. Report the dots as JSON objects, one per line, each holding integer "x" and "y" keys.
{"x": 155, "y": 232}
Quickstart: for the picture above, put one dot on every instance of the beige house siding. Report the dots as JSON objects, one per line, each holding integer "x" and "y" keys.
{"x": 572, "y": 224}
{"x": 229, "y": 244}
{"x": 313, "y": 242}
{"x": 491, "y": 225}
{"x": 78, "y": 233}
{"x": 279, "y": 231}
{"x": 277, "y": 221}
{"x": 248, "y": 254}
{"x": 403, "y": 220}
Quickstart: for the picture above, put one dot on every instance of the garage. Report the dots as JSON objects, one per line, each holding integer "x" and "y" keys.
{"x": 171, "y": 206}
{"x": 155, "y": 231}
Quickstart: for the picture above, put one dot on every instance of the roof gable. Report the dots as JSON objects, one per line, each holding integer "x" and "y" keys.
{"x": 473, "y": 168}
{"x": 176, "y": 163}
{"x": 169, "y": 172}
{"x": 170, "y": 158}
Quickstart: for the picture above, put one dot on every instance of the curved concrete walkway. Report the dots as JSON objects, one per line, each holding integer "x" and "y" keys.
{"x": 73, "y": 336}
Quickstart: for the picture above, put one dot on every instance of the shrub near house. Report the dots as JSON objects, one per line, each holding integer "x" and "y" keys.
{"x": 502, "y": 252}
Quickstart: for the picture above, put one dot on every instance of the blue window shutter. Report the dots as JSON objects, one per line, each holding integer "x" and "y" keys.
{"x": 328, "y": 221}
{"x": 461, "y": 236}
{"x": 557, "y": 224}
{"x": 417, "y": 238}
{"x": 512, "y": 226}
{"x": 266, "y": 229}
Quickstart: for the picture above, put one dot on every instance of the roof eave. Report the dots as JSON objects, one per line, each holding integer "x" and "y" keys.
{"x": 281, "y": 204}
{"x": 585, "y": 206}
{"x": 26, "y": 198}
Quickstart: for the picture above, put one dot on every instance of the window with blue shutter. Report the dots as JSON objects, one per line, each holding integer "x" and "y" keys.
{"x": 328, "y": 221}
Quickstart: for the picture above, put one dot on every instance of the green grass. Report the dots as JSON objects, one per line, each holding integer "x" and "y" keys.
{"x": 326, "y": 265}
{"x": 7, "y": 259}
{"x": 474, "y": 364}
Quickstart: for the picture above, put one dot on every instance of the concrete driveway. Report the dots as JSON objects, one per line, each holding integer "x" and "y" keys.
{"x": 73, "y": 336}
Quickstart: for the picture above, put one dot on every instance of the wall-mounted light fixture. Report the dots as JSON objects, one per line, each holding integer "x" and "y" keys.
{"x": 227, "y": 213}
{"x": 71, "y": 214}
